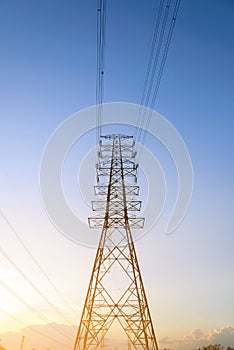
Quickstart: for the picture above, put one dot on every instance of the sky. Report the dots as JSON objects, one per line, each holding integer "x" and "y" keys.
{"x": 47, "y": 74}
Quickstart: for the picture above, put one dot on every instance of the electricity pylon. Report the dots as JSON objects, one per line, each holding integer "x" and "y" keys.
{"x": 117, "y": 187}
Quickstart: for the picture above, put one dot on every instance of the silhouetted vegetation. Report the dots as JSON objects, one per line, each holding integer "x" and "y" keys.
{"x": 212, "y": 347}
{"x": 216, "y": 347}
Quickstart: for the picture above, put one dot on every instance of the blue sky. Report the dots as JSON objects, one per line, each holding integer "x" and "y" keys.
{"x": 48, "y": 73}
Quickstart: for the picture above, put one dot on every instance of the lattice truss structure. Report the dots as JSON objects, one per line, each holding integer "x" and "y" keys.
{"x": 116, "y": 255}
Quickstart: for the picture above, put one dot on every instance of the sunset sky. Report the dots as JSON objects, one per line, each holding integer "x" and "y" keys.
{"x": 48, "y": 73}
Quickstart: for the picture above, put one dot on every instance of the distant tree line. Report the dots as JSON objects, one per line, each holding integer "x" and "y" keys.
{"x": 216, "y": 347}
{"x": 213, "y": 347}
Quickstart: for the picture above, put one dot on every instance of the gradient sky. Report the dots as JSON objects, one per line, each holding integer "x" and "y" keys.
{"x": 47, "y": 73}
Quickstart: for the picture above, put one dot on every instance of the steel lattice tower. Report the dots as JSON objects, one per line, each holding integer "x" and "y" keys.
{"x": 117, "y": 188}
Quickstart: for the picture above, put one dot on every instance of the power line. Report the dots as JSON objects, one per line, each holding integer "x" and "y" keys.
{"x": 31, "y": 328}
{"x": 32, "y": 309}
{"x": 151, "y": 67}
{"x": 156, "y": 49}
{"x": 36, "y": 263}
{"x": 160, "y": 73}
{"x": 31, "y": 283}
{"x": 101, "y": 25}
{"x": 165, "y": 53}
{"x": 156, "y": 64}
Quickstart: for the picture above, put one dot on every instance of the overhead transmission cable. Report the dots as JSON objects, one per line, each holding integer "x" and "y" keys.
{"x": 146, "y": 114}
{"x": 32, "y": 309}
{"x": 156, "y": 64}
{"x": 101, "y": 32}
{"x": 36, "y": 263}
{"x": 32, "y": 329}
{"x": 151, "y": 67}
{"x": 7, "y": 257}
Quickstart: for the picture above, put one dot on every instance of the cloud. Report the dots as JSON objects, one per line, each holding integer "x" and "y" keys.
{"x": 196, "y": 338}
{"x": 224, "y": 336}
{"x": 166, "y": 341}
